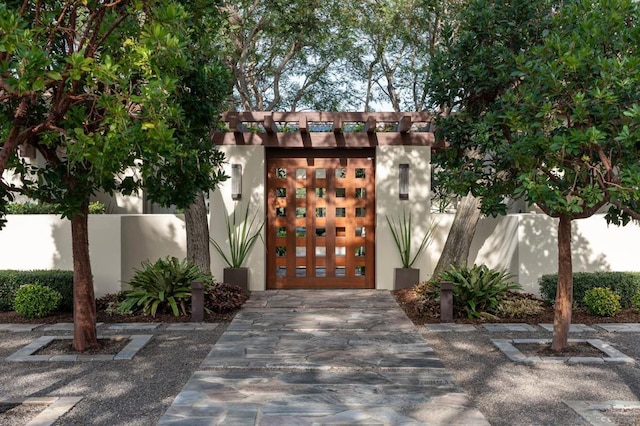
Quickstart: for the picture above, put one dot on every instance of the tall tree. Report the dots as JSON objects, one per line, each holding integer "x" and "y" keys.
{"x": 282, "y": 53}
{"x": 479, "y": 44}
{"x": 565, "y": 134}
{"x": 203, "y": 88}
{"x": 87, "y": 85}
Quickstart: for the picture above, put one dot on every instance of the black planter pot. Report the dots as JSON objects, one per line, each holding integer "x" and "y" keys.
{"x": 237, "y": 276}
{"x": 405, "y": 278}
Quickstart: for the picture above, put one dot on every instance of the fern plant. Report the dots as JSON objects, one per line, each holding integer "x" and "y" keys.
{"x": 161, "y": 285}
{"x": 242, "y": 237}
{"x": 402, "y": 231}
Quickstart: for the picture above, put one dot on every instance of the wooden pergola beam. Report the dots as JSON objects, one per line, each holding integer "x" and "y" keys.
{"x": 404, "y": 124}
{"x": 325, "y": 139}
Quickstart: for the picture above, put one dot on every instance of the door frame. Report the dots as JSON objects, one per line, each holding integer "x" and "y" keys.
{"x": 343, "y": 156}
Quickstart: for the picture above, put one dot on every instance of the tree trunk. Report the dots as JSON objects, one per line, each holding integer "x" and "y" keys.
{"x": 564, "y": 292}
{"x": 195, "y": 217}
{"x": 84, "y": 301}
{"x": 465, "y": 222}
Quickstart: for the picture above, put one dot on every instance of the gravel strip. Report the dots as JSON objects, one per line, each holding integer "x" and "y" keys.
{"x": 132, "y": 392}
{"x": 514, "y": 394}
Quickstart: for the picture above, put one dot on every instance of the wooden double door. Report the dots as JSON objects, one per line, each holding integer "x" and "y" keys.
{"x": 321, "y": 219}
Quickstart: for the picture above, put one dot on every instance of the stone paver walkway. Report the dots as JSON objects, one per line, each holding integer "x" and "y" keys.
{"x": 308, "y": 357}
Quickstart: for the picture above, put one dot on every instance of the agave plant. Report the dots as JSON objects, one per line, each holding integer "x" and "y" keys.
{"x": 402, "y": 229}
{"x": 165, "y": 283}
{"x": 242, "y": 237}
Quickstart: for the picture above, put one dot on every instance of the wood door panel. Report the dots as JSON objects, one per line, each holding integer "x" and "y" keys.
{"x": 318, "y": 206}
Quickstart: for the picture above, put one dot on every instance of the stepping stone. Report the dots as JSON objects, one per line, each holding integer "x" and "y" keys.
{"x": 63, "y": 326}
{"x": 630, "y": 327}
{"x": 575, "y": 328}
{"x": 495, "y": 328}
{"x": 18, "y": 328}
{"x": 134, "y": 326}
{"x": 196, "y": 326}
{"x": 443, "y": 328}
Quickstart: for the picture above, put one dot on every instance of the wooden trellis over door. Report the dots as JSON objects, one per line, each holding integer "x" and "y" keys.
{"x": 321, "y": 219}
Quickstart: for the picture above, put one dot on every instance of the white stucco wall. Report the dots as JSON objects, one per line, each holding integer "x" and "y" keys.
{"x": 44, "y": 242}
{"x": 252, "y": 159}
{"x": 388, "y": 203}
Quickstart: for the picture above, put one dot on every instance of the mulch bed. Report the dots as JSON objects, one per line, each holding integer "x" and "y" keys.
{"x": 414, "y": 309}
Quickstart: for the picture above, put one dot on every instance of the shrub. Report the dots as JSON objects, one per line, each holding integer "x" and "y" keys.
{"x": 61, "y": 281}
{"x": 625, "y": 284}
{"x": 222, "y": 297}
{"x": 36, "y": 301}
{"x": 602, "y": 302}
{"x": 636, "y": 301}
{"x": 165, "y": 284}
{"x": 517, "y": 305}
{"x": 28, "y": 207}
{"x": 477, "y": 289}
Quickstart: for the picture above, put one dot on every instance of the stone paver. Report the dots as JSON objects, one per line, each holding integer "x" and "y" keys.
{"x": 25, "y": 354}
{"x": 129, "y": 326}
{"x": 620, "y": 327}
{"x": 611, "y": 354}
{"x": 321, "y": 357}
{"x": 505, "y": 327}
{"x": 574, "y": 328}
{"x": 63, "y": 326}
{"x": 592, "y": 411}
{"x": 18, "y": 328}
{"x": 54, "y": 407}
{"x": 450, "y": 327}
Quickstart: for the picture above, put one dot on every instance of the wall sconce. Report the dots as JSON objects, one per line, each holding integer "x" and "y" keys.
{"x": 404, "y": 182}
{"x": 236, "y": 181}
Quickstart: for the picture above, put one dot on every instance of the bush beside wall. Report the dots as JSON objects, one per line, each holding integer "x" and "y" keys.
{"x": 61, "y": 281}
{"x": 625, "y": 284}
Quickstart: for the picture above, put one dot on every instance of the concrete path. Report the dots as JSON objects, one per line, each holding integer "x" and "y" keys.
{"x": 311, "y": 357}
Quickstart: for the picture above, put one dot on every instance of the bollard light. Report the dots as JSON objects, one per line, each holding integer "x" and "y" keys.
{"x": 197, "y": 301}
{"x": 446, "y": 301}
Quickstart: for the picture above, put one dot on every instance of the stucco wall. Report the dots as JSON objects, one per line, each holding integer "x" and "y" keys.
{"x": 388, "y": 203}
{"x": 117, "y": 244}
{"x": 252, "y": 159}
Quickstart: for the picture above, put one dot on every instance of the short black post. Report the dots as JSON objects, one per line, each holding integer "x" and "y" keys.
{"x": 197, "y": 301}
{"x": 446, "y": 301}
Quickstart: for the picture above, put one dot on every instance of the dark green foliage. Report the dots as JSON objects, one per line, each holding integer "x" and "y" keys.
{"x": 625, "y": 284}
{"x": 61, "y": 281}
{"x": 601, "y": 301}
{"x": 95, "y": 207}
{"x": 35, "y": 300}
{"x": 164, "y": 285}
{"x": 477, "y": 290}
{"x": 636, "y": 301}
{"x": 222, "y": 297}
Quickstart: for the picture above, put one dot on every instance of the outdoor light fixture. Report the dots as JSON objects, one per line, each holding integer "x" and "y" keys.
{"x": 404, "y": 181}
{"x": 236, "y": 181}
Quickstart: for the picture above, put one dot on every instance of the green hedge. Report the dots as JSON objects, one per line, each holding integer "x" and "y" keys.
{"x": 28, "y": 207}
{"x": 625, "y": 284}
{"x": 61, "y": 281}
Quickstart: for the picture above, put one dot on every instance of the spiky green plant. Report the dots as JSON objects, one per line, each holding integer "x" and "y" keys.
{"x": 165, "y": 283}
{"x": 402, "y": 231}
{"x": 242, "y": 237}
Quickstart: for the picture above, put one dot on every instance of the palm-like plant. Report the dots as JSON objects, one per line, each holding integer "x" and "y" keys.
{"x": 402, "y": 231}
{"x": 242, "y": 237}
{"x": 165, "y": 283}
